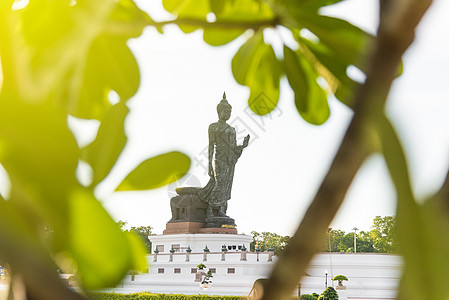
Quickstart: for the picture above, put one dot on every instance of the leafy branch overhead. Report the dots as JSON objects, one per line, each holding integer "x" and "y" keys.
{"x": 317, "y": 66}
{"x": 61, "y": 59}
{"x": 69, "y": 59}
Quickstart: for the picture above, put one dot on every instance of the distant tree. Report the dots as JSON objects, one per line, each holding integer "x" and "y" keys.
{"x": 336, "y": 241}
{"x": 142, "y": 231}
{"x": 381, "y": 238}
{"x": 328, "y": 294}
{"x": 364, "y": 242}
{"x": 384, "y": 234}
{"x": 340, "y": 279}
{"x": 348, "y": 241}
{"x": 265, "y": 240}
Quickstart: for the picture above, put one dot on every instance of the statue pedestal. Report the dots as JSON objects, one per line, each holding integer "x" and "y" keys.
{"x": 194, "y": 227}
{"x": 183, "y": 227}
{"x": 218, "y": 230}
{"x": 341, "y": 291}
{"x": 218, "y": 222}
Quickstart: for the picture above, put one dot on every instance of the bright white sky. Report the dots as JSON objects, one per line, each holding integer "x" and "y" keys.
{"x": 277, "y": 176}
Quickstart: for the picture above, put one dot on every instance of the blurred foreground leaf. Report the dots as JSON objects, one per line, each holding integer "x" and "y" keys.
{"x": 60, "y": 58}
{"x": 188, "y": 9}
{"x": 422, "y": 229}
{"x": 219, "y": 36}
{"x": 234, "y": 13}
{"x": 103, "y": 253}
{"x": 74, "y": 54}
{"x": 310, "y": 98}
{"x": 103, "y": 152}
{"x": 256, "y": 66}
{"x": 40, "y": 155}
{"x": 110, "y": 66}
{"x": 26, "y": 256}
{"x": 156, "y": 172}
{"x": 349, "y": 42}
{"x": 138, "y": 252}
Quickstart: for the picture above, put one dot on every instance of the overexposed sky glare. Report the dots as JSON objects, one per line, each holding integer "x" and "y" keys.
{"x": 182, "y": 81}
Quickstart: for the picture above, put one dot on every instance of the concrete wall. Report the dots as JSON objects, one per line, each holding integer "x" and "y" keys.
{"x": 198, "y": 242}
{"x": 371, "y": 276}
{"x": 224, "y": 283}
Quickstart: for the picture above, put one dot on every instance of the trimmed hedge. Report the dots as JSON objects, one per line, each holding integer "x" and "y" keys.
{"x": 150, "y": 296}
{"x": 329, "y": 294}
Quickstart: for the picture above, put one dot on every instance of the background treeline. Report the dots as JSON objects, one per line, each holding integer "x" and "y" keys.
{"x": 141, "y": 231}
{"x": 382, "y": 238}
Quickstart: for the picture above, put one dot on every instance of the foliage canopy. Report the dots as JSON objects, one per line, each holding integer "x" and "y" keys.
{"x": 62, "y": 60}
{"x": 382, "y": 238}
{"x": 267, "y": 240}
{"x": 66, "y": 59}
{"x": 340, "y": 278}
{"x": 328, "y": 294}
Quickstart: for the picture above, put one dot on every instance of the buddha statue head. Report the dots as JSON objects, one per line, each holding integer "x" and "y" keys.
{"x": 224, "y": 109}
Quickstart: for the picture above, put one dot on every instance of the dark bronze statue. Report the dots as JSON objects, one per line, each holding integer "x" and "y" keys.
{"x": 209, "y": 204}
{"x": 222, "y": 143}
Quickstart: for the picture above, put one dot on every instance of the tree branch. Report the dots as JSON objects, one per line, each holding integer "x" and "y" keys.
{"x": 396, "y": 32}
{"x": 218, "y": 24}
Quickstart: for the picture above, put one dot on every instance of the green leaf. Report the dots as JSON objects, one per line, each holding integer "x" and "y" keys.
{"x": 310, "y": 98}
{"x": 89, "y": 42}
{"x": 103, "y": 253}
{"x": 138, "y": 252}
{"x": 173, "y": 5}
{"x": 45, "y": 51}
{"x": 217, "y": 6}
{"x": 312, "y": 5}
{"x": 246, "y": 60}
{"x": 256, "y": 66}
{"x": 350, "y": 43}
{"x": 104, "y": 151}
{"x": 420, "y": 227}
{"x": 264, "y": 87}
{"x": 40, "y": 155}
{"x": 156, "y": 172}
{"x": 329, "y": 65}
{"x": 22, "y": 249}
{"x": 188, "y": 9}
{"x": 426, "y": 253}
{"x": 328, "y": 58}
{"x": 245, "y": 10}
{"x": 110, "y": 65}
{"x": 220, "y": 36}
{"x": 126, "y": 19}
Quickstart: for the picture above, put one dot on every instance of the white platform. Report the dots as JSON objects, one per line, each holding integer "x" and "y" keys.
{"x": 198, "y": 242}
{"x": 371, "y": 276}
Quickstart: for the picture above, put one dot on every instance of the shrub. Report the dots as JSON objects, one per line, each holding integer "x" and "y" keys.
{"x": 340, "y": 279}
{"x": 150, "y": 296}
{"x": 328, "y": 294}
{"x": 308, "y": 297}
